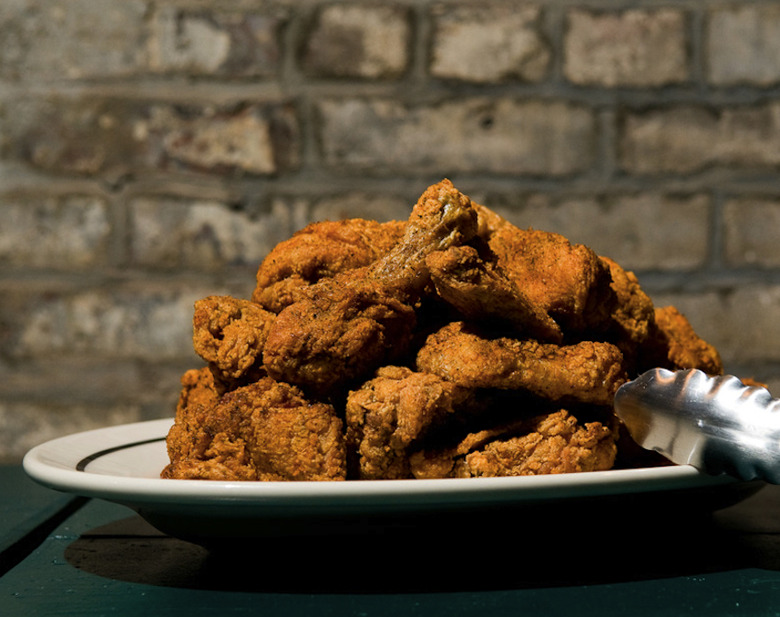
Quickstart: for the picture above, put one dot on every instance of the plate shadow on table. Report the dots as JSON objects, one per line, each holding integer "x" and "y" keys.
{"x": 582, "y": 542}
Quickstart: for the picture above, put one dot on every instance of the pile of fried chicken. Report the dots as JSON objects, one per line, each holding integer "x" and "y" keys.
{"x": 451, "y": 345}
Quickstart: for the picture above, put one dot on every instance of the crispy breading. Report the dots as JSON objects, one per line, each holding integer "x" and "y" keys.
{"x": 546, "y": 444}
{"x": 568, "y": 281}
{"x": 230, "y": 334}
{"x": 392, "y": 413}
{"x": 481, "y": 291}
{"x": 588, "y": 372}
{"x": 264, "y": 431}
{"x": 321, "y": 250}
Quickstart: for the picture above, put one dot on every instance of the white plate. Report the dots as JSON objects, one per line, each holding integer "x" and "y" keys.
{"x": 122, "y": 464}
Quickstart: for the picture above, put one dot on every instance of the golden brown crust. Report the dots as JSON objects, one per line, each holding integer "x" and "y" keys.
{"x": 547, "y": 444}
{"x": 393, "y": 412}
{"x": 588, "y": 372}
{"x": 568, "y": 281}
{"x": 481, "y": 291}
{"x": 230, "y": 334}
{"x": 263, "y": 431}
{"x": 321, "y": 250}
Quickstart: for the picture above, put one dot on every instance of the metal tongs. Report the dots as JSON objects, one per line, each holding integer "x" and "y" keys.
{"x": 717, "y": 424}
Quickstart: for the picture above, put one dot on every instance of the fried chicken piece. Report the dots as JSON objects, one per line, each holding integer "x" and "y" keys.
{"x": 673, "y": 344}
{"x": 545, "y": 444}
{"x": 344, "y": 327}
{"x": 588, "y": 372}
{"x": 632, "y": 313}
{"x": 230, "y": 334}
{"x": 392, "y": 413}
{"x": 263, "y": 431}
{"x": 480, "y": 291}
{"x": 338, "y": 331}
{"x": 200, "y": 390}
{"x": 317, "y": 251}
{"x": 567, "y": 281}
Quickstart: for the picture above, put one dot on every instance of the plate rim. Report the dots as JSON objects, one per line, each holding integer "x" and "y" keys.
{"x": 45, "y": 464}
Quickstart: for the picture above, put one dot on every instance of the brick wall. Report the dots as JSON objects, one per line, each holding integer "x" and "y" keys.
{"x": 153, "y": 151}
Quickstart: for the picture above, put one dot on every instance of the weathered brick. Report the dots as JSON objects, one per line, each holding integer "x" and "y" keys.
{"x": 141, "y": 322}
{"x": 353, "y": 40}
{"x": 634, "y": 48}
{"x": 743, "y": 44}
{"x": 211, "y": 42}
{"x": 77, "y": 39}
{"x": 643, "y": 231}
{"x": 742, "y": 323}
{"x": 687, "y": 139}
{"x": 488, "y": 43}
{"x": 207, "y": 235}
{"x": 378, "y": 207}
{"x": 116, "y": 136}
{"x": 25, "y": 425}
{"x": 49, "y": 231}
{"x": 496, "y": 135}
{"x": 752, "y": 229}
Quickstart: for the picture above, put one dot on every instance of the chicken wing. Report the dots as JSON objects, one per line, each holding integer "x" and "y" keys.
{"x": 480, "y": 291}
{"x": 320, "y": 250}
{"x": 567, "y": 281}
{"x": 346, "y": 326}
{"x": 588, "y": 372}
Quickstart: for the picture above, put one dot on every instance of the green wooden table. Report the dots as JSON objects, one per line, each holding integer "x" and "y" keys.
{"x": 69, "y": 556}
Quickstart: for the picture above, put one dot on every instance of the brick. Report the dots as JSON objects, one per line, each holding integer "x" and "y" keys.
{"x": 147, "y": 322}
{"x": 25, "y": 425}
{"x": 743, "y": 44}
{"x": 752, "y": 227}
{"x": 377, "y": 207}
{"x": 112, "y": 136}
{"x": 151, "y": 385}
{"x": 352, "y": 40}
{"x": 633, "y": 48}
{"x": 688, "y": 139}
{"x": 498, "y": 135}
{"x": 205, "y": 235}
{"x": 83, "y": 39}
{"x": 649, "y": 231}
{"x": 488, "y": 43}
{"x": 206, "y": 42}
{"x": 49, "y": 231}
{"x": 742, "y": 323}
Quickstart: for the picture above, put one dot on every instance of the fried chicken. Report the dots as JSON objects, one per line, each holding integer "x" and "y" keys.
{"x": 262, "y": 431}
{"x": 450, "y": 345}
{"x": 480, "y": 291}
{"x": 632, "y": 311}
{"x": 320, "y": 250}
{"x": 567, "y": 281}
{"x": 392, "y": 413}
{"x": 230, "y": 334}
{"x": 346, "y": 326}
{"x": 545, "y": 444}
{"x": 588, "y": 372}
